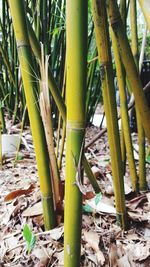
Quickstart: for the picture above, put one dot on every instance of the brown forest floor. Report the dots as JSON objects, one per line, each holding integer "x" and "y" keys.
{"x": 103, "y": 243}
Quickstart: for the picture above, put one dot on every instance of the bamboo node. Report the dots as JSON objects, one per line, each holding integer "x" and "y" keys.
{"x": 77, "y": 126}
{"x": 47, "y": 197}
{"x": 22, "y": 44}
{"x": 114, "y": 18}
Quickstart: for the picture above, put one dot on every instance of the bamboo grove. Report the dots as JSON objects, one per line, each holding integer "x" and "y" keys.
{"x": 58, "y": 60}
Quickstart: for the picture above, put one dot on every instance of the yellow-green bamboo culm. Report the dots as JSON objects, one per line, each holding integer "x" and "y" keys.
{"x": 76, "y": 56}
{"x": 62, "y": 146}
{"x": 145, "y": 6}
{"x": 124, "y": 114}
{"x": 129, "y": 64}
{"x": 19, "y": 22}
{"x": 141, "y": 134}
{"x": 57, "y": 96}
{"x": 123, "y": 11}
{"x": 1, "y": 157}
{"x": 103, "y": 46}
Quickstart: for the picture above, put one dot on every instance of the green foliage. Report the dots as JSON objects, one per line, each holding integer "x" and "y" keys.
{"x": 98, "y": 198}
{"x": 87, "y": 208}
{"x": 20, "y": 156}
{"x": 29, "y": 238}
{"x": 148, "y": 155}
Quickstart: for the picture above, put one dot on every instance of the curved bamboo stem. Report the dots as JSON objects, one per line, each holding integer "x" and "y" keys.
{"x": 19, "y": 22}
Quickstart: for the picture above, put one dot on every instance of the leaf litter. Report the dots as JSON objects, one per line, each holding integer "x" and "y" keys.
{"x": 103, "y": 242}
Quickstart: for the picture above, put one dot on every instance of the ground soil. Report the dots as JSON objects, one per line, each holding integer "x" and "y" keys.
{"x": 103, "y": 242}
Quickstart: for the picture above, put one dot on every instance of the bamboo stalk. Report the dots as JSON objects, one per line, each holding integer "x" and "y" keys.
{"x": 103, "y": 131}
{"x": 35, "y": 45}
{"x": 62, "y": 146}
{"x": 145, "y": 6}
{"x": 89, "y": 173}
{"x": 76, "y": 31}
{"x": 104, "y": 52}
{"x": 129, "y": 64}
{"x": 123, "y": 12}
{"x": 54, "y": 90}
{"x": 142, "y": 49}
{"x": 1, "y": 157}
{"x": 124, "y": 114}
{"x": 19, "y": 22}
{"x": 141, "y": 135}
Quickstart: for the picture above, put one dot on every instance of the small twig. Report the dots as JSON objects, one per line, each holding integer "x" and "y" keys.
{"x": 23, "y": 243}
{"x": 54, "y": 263}
{"x": 12, "y": 234}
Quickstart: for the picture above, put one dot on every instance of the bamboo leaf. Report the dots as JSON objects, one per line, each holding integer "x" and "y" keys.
{"x": 29, "y": 238}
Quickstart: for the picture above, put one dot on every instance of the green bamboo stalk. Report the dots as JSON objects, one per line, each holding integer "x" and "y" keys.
{"x": 76, "y": 30}
{"x": 103, "y": 45}
{"x": 58, "y": 135}
{"x": 124, "y": 114}
{"x": 145, "y": 6}
{"x": 123, "y": 149}
{"x": 19, "y": 22}
{"x": 62, "y": 146}
{"x": 20, "y": 137}
{"x": 141, "y": 135}
{"x": 1, "y": 157}
{"x": 35, "y": 45}
{"x": 89, "y": 173}
{"x": 60, "y": 122}
{"x": 129, "y": 64}
{"x": 4, "y": 95}
{"x": 123, "y": 12}
{"x": 7, "y": 64}
{"x": 134, "y": 31}
{"x": 54, "y": 90}
{"x": 2, "y": 118}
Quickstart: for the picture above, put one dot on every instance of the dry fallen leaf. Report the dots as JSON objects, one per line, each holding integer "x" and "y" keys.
{"x": 56, "y": 233}
{"x": 101, "y": 206}
{"x": 41, "y": 255}
{"x": 127, "y": 189}
{"x": 92, "y": 238}
{"x": 96, "y": 171}
{"x": 113, "y": 256}
{"x": 19, "y": 192}
{"x": 88, "y": 195}
{"x": 141, "y": 251}
{"x": 60, "y": 258}
{"x": 35, "y": 210}
{"x": 38, "y": 220}
{"x": 135, "y": 202}
{"x": 148, "y": 198}
{"x": 138, "y": 216}
{"x": 123, "y": 262}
